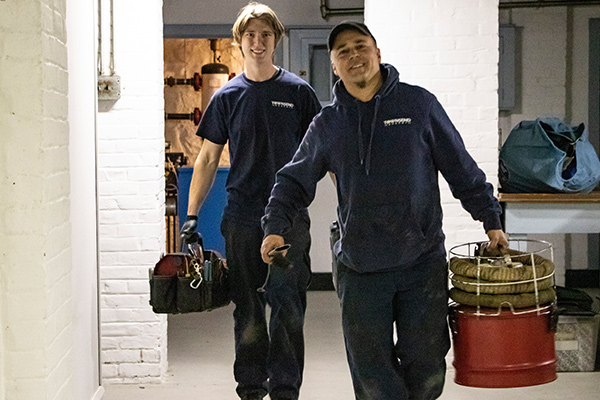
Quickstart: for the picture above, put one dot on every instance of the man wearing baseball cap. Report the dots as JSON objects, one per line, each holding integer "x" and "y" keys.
{"x": 348, "y": 25}
{"x": 386, "y": 143}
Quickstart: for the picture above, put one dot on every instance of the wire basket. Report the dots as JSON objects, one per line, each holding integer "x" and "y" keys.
{"x": 519, "y": 278}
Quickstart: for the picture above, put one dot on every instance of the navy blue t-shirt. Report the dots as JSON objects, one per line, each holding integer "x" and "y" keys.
{"x": 264, "y": 123}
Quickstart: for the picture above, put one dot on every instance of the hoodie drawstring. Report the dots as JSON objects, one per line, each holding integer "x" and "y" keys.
{"x": 373, "y": 123}
{"x": 365, "y": 159}
{"x": 361, "y": 151}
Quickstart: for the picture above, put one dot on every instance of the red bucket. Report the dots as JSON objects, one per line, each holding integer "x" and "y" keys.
{"x": 503, "y": 349}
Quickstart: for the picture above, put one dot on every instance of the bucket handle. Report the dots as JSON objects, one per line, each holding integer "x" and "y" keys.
{"x": 453, "y": 324}
{"x": 553, "y": 318}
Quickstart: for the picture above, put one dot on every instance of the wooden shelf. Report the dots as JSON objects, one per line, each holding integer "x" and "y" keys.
{"x": 593, "y": 197}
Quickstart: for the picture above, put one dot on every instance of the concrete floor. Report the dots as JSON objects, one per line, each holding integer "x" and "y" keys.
{"x": 201, "y": 358}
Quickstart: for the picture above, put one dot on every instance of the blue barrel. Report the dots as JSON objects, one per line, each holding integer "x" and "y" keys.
{"x": 211, "y": 213}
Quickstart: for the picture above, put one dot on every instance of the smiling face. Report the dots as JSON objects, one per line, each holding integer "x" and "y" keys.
{"x": 258, "y": 42}
{"x": 355, "y": 59}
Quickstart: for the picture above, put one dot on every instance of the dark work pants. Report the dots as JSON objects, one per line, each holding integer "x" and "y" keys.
{"x": 415, "y": 300}
{"x": 268, "y": 357}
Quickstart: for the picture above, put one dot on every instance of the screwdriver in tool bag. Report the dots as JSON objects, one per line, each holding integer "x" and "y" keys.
{"x": 208, "y": 271}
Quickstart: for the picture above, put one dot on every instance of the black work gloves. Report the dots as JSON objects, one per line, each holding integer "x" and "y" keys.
{"x": 188, "y": 230}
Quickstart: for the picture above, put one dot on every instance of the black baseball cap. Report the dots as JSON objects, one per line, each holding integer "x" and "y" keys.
{"x": 345, "y": 26}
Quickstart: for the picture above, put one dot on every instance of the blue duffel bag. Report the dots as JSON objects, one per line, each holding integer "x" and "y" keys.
{"x": 548, "y": 156}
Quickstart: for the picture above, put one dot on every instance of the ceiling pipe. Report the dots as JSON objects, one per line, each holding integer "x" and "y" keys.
{"x": 326, "y": 12}
{"x": 547, "y": 3}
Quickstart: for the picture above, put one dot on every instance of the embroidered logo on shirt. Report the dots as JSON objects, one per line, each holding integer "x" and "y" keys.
{"x": 282, "y": 104}
{"x": 397, "y": 121}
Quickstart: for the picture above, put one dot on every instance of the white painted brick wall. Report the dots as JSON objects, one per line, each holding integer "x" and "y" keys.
{"x": 449, "y": 47}
{"x": 36, "y": 310}
{"x": 131, "y": 198}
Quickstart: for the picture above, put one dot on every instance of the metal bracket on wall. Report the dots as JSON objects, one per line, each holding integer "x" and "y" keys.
{"x": 109, "y": 87}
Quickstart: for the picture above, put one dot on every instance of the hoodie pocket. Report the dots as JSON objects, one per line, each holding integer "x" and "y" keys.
{"x": 382, "y": 236}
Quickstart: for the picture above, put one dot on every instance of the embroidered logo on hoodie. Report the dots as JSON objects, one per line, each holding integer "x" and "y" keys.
{"x": 397, "y": 121}
{"x": 282, "y": 104}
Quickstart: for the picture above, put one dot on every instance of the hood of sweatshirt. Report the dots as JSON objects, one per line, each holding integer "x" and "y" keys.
{"x": 390, "y": 78}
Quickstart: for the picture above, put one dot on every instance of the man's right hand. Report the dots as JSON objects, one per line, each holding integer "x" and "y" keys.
{"x": 188, "y": 230}
{"x": 270, "y": 243}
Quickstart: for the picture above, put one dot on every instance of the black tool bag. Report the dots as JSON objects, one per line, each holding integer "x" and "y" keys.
{"x": 575, "y": 302}
{"x": 192, "y": 281}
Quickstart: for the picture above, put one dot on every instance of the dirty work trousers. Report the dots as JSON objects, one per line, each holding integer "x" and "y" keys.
{"x": 412, "y": 300}
{"x": 267, "y": 360}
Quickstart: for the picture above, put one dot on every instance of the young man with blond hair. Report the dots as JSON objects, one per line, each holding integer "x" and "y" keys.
{"x": 263, "y": 113}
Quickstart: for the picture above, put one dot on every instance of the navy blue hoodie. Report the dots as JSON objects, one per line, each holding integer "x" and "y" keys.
{"x": 386, "y": 155}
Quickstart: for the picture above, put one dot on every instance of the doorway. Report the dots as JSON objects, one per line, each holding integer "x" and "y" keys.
{"x": 186, "y": 95}
{"x": 593, "y": 129}
{"x": 309, "y": 59}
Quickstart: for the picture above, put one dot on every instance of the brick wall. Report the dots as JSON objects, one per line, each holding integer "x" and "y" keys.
{"x": 131, "y": 197}
{"x": 36, "y": 297}
{"x": 449, "y": 47}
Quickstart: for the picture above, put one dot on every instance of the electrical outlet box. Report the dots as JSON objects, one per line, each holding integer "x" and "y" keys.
{"x": 109, "y": 87}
